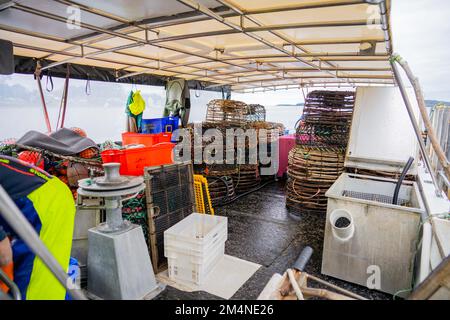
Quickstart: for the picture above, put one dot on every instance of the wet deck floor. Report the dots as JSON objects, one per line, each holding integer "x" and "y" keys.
{"x": 261, "y": 230}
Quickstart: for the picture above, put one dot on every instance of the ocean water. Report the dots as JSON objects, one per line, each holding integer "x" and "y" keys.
{"x": 108, "y": 122}
{"x": 102, "y": 112}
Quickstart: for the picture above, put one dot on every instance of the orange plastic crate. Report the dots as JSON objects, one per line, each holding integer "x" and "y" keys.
{"x": 147, "y": 140}
{"x": 133, "y": 161}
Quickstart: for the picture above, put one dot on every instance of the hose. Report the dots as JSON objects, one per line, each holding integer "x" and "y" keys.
{"x": 247, "y": 193}
{"x": 226, "y": 186}
{"x": 400, "y": 180}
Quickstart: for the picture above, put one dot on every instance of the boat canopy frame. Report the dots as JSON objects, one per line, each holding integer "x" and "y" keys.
{"x": 239, "y": 45}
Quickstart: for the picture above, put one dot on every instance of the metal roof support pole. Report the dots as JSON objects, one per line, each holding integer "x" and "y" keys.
{"x": 64, "y": 98}
{"x": 416, "y": 128}
{"x": 428, "y": 125}
{"x": 37, "y": 75}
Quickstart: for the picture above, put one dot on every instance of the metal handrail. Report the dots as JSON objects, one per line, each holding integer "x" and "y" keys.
{"x": 16, "y": 220}
{"x": 14, "y": 290}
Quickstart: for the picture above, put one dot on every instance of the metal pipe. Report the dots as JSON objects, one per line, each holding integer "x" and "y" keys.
{"x": 435, "y": 143}
{"x": 248, "y": 74}
{"x": 325, "y": 55}
{"x": 289, "y": 59}
{"x": 15, "y": 292}
{"x": 173, "y": 73}
{"x": 103, "y": 14}
{"x": 313, "y": 85}
{"x": 207, "y": 12}
{"x": 321, "y": 84}
{"x": 37, "y": 75}
{"x": 91, "y": 54}
{"x": 275, "y": 33}
{"x": 261, "y": 28}
{"x": 51, "y": 16}
{"x": 18, "y": 45}
{"x": 210, "y": 14}
{"x": 353, "y": 23}
{"x": 330, "y": 42}
{"x": 26, "y": 232}
{"x": 416, "y": 128}
{"x": 57, "y": 18}
{"x": 380, "y": 77}
{"x": 181, "y": 18}
{"x": 238, "y": 10}
{"x": 159, "y": 22}
{"x": 385, "y": 26}
{"x": 328, "y": 4}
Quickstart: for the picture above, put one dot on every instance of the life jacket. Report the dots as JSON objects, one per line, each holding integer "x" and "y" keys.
{"x": 47, "y": 203}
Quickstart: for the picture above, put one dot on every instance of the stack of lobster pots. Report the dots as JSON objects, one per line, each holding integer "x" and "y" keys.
{"x": 317, "y": 160}
{"x": 228, "y": 180}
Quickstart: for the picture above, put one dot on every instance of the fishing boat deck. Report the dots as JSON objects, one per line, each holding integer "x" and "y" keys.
{"x": 261, "y": 230}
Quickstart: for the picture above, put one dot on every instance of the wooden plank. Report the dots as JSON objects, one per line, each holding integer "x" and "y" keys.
{"x": 432, "y": 285}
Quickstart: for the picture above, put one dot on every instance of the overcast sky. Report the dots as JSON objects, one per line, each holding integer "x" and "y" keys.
{"x": 421, "y": 33}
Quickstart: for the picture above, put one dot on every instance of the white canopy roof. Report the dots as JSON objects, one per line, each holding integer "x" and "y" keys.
{"x": 244, "y": 44}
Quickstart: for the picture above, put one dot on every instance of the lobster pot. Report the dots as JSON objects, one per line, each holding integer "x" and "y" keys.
{"x": 255, "y": 112}
{"x": 212, "y": 144}
{"x": 221, "y": 189}
{"x": 326, "y": 121}
{"x": 247, "y": 178}
{"x": 273, "y": 130}
{"x": 230, "y": 111}
{"x": 311, "y": 172}
{"x": 220, "y": 182}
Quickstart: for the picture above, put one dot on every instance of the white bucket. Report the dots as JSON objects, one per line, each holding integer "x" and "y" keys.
{"x": 346, "y": 233}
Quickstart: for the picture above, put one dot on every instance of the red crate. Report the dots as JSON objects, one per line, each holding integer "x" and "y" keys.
{"x": 147, "y": 140}
{"x": 133, "y": 161}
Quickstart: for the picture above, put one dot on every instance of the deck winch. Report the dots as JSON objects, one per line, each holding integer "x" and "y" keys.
{"x": 119, "y": 265}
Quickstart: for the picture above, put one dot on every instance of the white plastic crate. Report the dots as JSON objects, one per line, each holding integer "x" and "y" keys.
{"x": 196, "y": 233}
{"x": 194, "y": 246}
{"x": 183, "y": 268}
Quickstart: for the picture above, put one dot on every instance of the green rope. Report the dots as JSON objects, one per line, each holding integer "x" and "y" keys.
{"x": 135, "y": 211}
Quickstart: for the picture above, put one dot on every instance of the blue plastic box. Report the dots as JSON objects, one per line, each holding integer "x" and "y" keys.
{"x": 159, "y": 125}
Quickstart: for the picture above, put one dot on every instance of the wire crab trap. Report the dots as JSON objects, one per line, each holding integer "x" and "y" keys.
{"x": 230, "y": 111}
{"x": 170, "y": 198}
{"x": 221, "y": 189}
{"x": 273, "y": 130}
{"x": 247, "y": 178}
{"x": 311, "y": 172}
{"x": 216, "y": 170}
{"x": 255, "y": 112}
{"x": 220, "y": 183}
{"x": 326, "y": 119}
